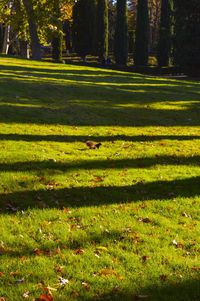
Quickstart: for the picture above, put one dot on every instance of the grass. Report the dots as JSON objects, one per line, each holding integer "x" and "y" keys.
{"x": 118, "y": 223}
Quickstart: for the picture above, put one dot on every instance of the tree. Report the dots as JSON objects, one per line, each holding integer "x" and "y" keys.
{"x": 57, "y": 34}
{"x": 142, "y": 34}
{"x": 187, "y": 35}
{"x": 35, "y": 43}
{"x": 121, "y": 33}
{"x": 164, "y": 41}
{"x": 154, "y": 8}
{"x": 84, "y": 27}
{"x": 102, "y": 29}
{"x": 67, "y": 35}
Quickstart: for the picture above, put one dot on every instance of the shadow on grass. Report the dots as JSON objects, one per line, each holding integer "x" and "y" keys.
{"x": 184, "y": 290}
{"x": 92, "y": 115}
{"x": 94, "y": 97}
{"x": 112, "y": 163}
{"x": 101, "y": 195}
{"x": 81, "y": 73}
{"x": 78, "y": 138}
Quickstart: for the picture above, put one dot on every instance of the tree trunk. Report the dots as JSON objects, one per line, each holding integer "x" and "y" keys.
{"x": 24, "y": 50}
{"x": 142, "y": 34}
{"x": 6, "y": 39}
{"x": 102, "y": 29}
{"x": 35, "y": 43}
{"x": 121, "y": 33}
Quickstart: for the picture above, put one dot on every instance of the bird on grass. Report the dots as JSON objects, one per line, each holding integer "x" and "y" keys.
{"x": 93, "y": 145}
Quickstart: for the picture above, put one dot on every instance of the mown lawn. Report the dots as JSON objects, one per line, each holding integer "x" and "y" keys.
{"x": 118, "y": 223}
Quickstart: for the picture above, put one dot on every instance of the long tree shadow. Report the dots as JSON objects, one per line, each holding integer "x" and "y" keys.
{"x": 78, "y": 138}
{"x": 112, "y": 163}
{"x": 184, "y": 290}
{"x": 95, "y": 97}
{"x": 99, "y": 74}
{"x": 91, "y": 115}
{"x": 98, "y": 196}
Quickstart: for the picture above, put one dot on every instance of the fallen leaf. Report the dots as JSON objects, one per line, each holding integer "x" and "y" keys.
{"x": 144, "y": 258}
{"x": 78, "y": 251}
{"x": 106, "y": 272}
{"x": 26, "y": 294}
{"x": 98, "y": 179}
{"x": 14, "y": 273}
{"x": 45, "y": 298}
{"x": 195, "y": 268}
{"x": 86, "y": 287}
{"x": 74, "y": 293}
{"x": 163, "y": 277}
{"x": 102, "y": 248}
{"x": 22, "y": 258}
{"x": 66, "y": 210}
{"x": 63, "y": 281}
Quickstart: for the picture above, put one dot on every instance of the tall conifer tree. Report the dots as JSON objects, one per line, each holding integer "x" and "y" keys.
{"x": 142, "y": 34}
{"x": 164, "y": 41}
{"x": 121, "y": 33}
{"x": 84, "y": 27}
{"x": 187, "y": 35}
{"x": 57, "y": 35}
{"x": 102, "y": 29}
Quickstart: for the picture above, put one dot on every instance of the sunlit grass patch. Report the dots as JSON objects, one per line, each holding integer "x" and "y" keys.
{"x": 109, "y": 223}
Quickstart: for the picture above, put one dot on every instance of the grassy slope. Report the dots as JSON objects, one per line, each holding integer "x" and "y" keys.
{"x": 123, "y": 204}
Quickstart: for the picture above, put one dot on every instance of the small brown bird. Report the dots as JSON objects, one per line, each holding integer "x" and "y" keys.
{"x": 93, "y": 145}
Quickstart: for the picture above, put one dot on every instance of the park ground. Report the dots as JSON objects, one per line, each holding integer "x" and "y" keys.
{"x": 121, "y": 222}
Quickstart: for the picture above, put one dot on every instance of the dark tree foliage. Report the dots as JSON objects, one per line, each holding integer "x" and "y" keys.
{"x": 102, "y": 29}
{"x": 141, "y": 34}
{"x": 187, "y": 35}
{"x": 121, "y": 33}
{"x": 57, "y": 47}
{"x": 57, "y": 36}
{"x": 67, "y": 34}
{"x": 84, "y": 36}
{"x": 165, "y": 32}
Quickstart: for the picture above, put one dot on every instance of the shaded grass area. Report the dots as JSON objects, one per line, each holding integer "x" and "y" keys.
{"x": 114, "y": 223}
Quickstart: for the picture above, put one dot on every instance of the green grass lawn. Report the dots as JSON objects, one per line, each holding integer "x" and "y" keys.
{"x": 118, "y": 223}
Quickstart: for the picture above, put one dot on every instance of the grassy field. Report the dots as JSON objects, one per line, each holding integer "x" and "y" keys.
{"x": 118, "y": 223}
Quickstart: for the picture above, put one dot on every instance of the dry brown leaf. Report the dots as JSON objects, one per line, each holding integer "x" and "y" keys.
{"x": 45, "y": 298}
{"x": 78, "y": 251}
{"x": 86, "y": 287}
{"x": 74, "y": 293}
{"x": 163, "y": 277}
{"x": 106, "y": 272}
{"x": 14, "y": 273}
{"x": 195, "y": 268}
{"x": 144, "y": 258}
{"x": 98, "y": 179}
